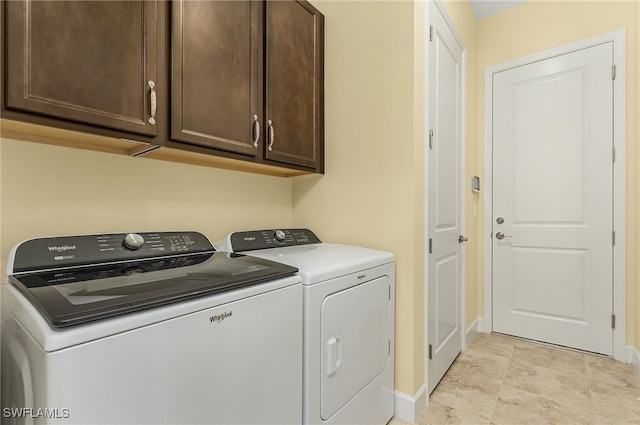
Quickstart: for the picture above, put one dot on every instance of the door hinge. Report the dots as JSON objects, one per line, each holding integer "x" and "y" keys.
{"x": 430, "y": 246}
{"x": 613, "y": 72}
{"x": 613, "y": 237}
{"x": 389, "y": 347}
{"x": 430, "y": 352}
{"x": 430, "y": 32}
{"x": 613, "y": 155}
{"x": 430, "y": 139}
{"x": 613, "y": 321}
{"x": 389, "y": 292}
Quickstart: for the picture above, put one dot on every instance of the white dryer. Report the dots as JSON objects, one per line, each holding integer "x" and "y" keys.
{"x": 348, "y": 310}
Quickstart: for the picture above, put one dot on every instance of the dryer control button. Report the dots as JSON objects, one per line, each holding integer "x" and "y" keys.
{"x": 279, "y": 235}
{"x": 133, "y": 241}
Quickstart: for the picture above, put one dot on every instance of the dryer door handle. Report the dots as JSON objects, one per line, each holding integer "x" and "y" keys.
{"x": 334, "y": 355}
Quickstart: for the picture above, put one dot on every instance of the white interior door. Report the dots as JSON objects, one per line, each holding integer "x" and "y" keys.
{"x": 445, "y": 200}
{"x": 552, "y": 200}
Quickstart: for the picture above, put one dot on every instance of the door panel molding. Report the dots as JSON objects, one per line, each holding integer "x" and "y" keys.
{"x": 618, "y": 38}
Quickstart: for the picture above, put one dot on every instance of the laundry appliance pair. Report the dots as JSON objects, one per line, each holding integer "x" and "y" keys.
{"x": 162, "y": 327}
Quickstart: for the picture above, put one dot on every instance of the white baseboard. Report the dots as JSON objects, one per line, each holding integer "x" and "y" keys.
{"x": 409, "y": 408}
{"x": 633, "y": 357}
{"x": 472, "y": 331}
{"x": 483, "y": 326}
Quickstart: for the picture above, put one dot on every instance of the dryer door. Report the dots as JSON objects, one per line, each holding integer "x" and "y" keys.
{"x": 355, "y": 342}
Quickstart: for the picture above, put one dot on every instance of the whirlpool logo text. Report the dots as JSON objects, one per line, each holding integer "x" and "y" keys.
{"x": 220, "y": 317}
{"x": 61, "y": 248}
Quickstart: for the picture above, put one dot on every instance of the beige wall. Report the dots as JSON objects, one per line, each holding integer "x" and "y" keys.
{"x": 372, "y": 193}
{"x": 541, "y": 25}
{"x": 373, "y": 190}
{"x": 49, "y": 190}
{"x": 634, "y": 275}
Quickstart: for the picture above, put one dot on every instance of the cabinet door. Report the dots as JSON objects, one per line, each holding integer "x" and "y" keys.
{"x": 216, "y": 74}
{"x": 85, "y": 61}
{"x": 294, "y": 83}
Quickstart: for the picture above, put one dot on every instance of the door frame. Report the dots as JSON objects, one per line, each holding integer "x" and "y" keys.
{"x": 463, "y": 192}
{"x": 618, "y": 38}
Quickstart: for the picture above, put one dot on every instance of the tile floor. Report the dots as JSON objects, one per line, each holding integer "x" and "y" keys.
{"x": 501, "y": 380}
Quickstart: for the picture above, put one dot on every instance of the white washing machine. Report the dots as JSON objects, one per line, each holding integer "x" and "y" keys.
{"x": 149, "y": 328}
{"x": 349, "y": 296}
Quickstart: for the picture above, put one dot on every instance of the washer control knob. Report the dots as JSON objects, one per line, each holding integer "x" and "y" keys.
{"x": 279, "y": 235}
{"x": 133, "y": 241}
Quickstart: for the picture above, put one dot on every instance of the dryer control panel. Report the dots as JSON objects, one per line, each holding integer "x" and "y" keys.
{"x": 273, "y": 238}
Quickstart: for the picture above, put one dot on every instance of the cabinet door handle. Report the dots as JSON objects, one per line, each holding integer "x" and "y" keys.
{"x": 256, "y": 131}
{"x": 272, "y": 135}
{"x": 154, "y": 102}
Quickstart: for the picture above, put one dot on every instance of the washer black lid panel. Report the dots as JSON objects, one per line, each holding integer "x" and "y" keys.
{"x": 48, "y": 253}
{"x": 73, "y": 296}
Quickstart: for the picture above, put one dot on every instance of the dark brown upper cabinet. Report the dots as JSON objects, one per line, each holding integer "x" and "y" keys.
{"x": 294, "y": 89}
{"x": 235, "y": 84}
{"x": 247, "y": 78}
{"x": 93, "y": 62}
{"x": 217, "y": 74}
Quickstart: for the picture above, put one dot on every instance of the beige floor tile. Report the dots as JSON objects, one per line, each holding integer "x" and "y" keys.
{"x": 488, "y": 365}
{"x": 538, "y": 355}
{"x": 616, "y": 405}
{"x": 606, "y": 372}
{"x": 500, "y": 380}
{"x": 568, "y": 388}
{"x": 600, "y": 420}
{"x": 440, "y": 414}
{"x": 519, "y": 407}
{"x": 493, "y": 344}
{"x": 468, "y": 392}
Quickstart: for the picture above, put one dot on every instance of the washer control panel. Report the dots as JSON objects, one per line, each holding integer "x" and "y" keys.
{"x": 133, "y": 241}
{"x": 65, "y": 251}
{"x": 273, "y": 238}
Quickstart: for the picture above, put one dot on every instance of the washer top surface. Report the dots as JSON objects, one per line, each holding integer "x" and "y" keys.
{"x": 81, "y": 279}
{"x": 324, "y": 261}
{"x": 315, "y": 261}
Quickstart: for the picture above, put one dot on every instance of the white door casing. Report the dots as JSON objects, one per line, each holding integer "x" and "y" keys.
{"x": 556, "y": 276}
{"x": 445, "y": 199}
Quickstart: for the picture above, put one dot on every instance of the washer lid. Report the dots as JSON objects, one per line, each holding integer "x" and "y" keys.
{"x": 77, "y": 295}
{"x": 321, "y": 262}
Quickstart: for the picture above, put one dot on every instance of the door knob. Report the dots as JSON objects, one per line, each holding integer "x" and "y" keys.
{"x": 462, "y": 239}
{"x": 501, "y": 235}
